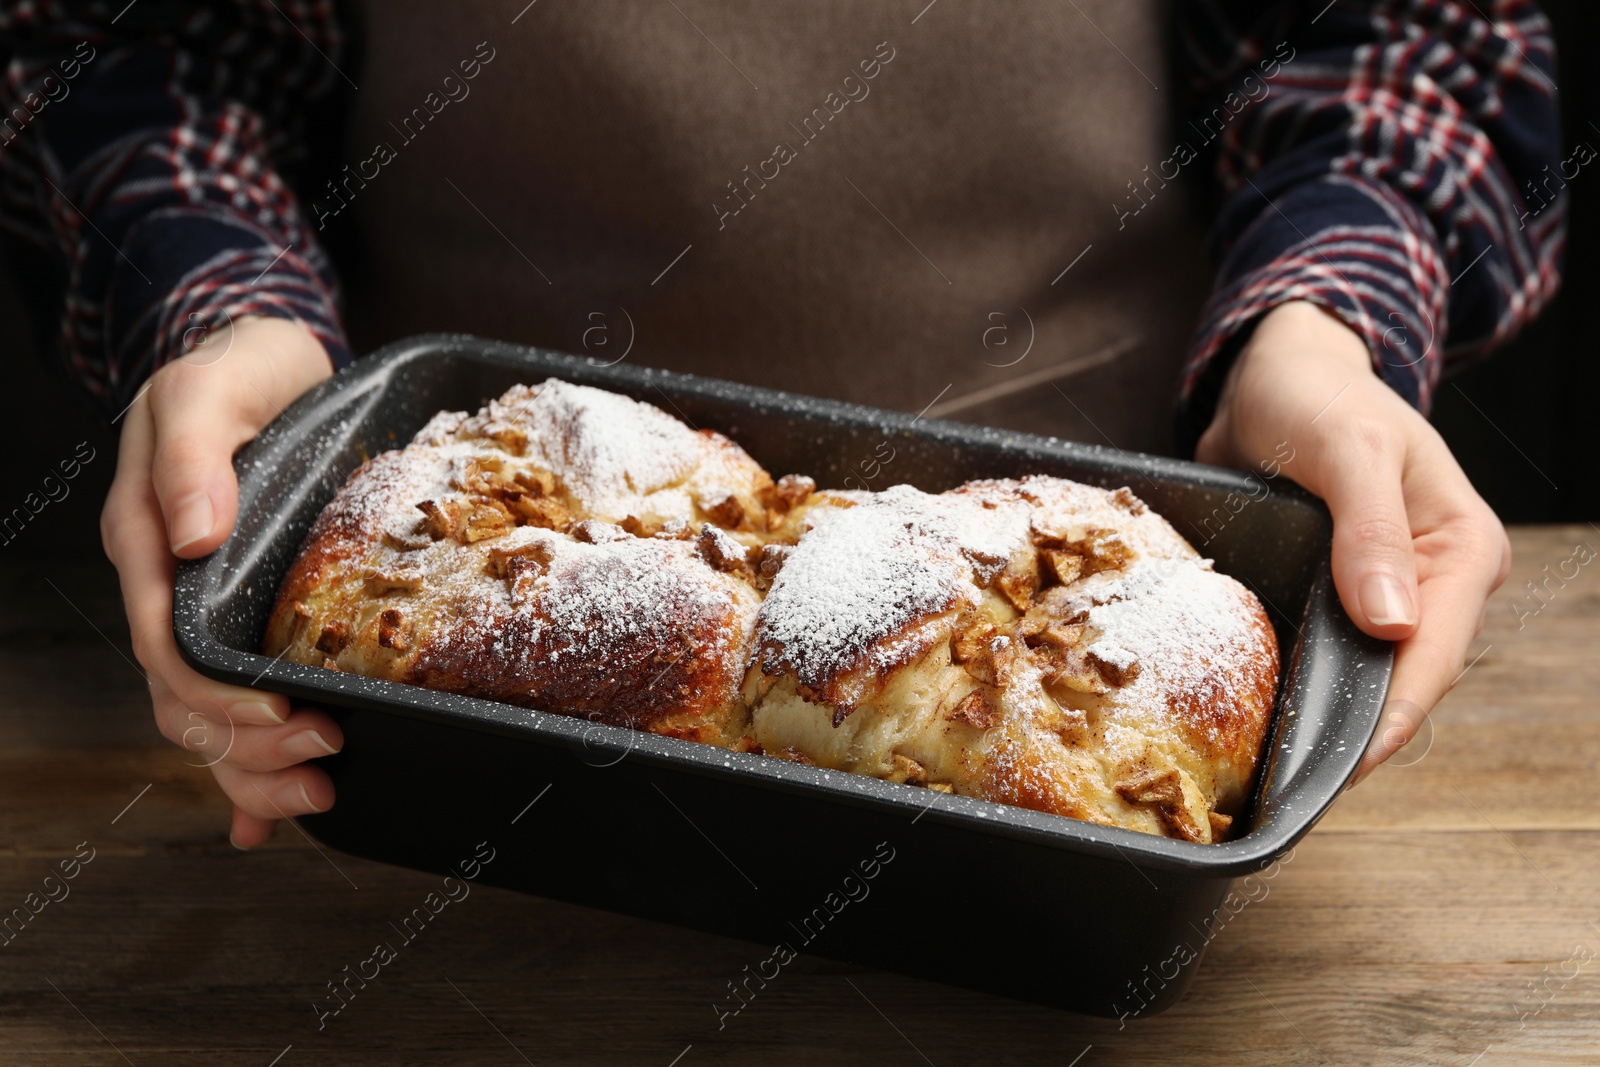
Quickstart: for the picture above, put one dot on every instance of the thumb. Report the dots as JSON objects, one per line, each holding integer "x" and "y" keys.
{"x": 1374, "y": 569}
{"x": 1214, "y": 445}
{"x": 205, "y": 406}
{"x": 192, "y": 468}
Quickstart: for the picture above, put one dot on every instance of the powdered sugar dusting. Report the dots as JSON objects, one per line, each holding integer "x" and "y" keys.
{"x": 608, "y": 447}
{"x": 629, "y": 628}
{"x": 381, "y": 495}
{"x": 539, "y": 552}
{"x": 439, "y": 429}
{"x": 862, "y": 575}
{"x": 1191, "y": 631}
{"x": 598, "y": 600}
{"x": 609, "y": 452}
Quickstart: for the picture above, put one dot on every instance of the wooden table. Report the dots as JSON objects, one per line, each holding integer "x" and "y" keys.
{"x": 1445, "y": 912}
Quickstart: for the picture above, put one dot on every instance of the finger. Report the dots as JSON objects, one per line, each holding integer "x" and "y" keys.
{"x": 1374, "y": 568}
{"x": 248, "y": 831}
{"x": 1214, "y": 445}
{"x": 308, "y": 734}
{"x": 136, "y": 542}
{"x": 192, "y": 464}
{"x": 212, "y": 739}
{"x": 1402, "y": 721}
{"x": 1462, "y": 555}
{"x": 131, "y": 480}
{"x": 209, "y": 403}
{"x": 300, "y": 790}
{"x": 1427, "y": 665}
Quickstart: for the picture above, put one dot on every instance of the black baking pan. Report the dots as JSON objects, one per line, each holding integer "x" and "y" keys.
{"x": 950, "y": 888}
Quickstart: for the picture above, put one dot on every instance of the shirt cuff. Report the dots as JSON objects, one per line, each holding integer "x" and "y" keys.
{"x": 240, "y": 270}
{"x": 1350, "y": 246}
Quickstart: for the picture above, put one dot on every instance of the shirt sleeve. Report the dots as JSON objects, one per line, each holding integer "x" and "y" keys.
{"x": 1397, "y": 163}
{"x": 145, "y": 152}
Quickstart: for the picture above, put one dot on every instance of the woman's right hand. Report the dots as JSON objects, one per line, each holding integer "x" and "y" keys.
{"x": 175, "y": 496}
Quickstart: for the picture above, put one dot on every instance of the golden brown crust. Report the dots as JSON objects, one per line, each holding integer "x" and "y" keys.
{"x": 1037, "y": 642}
{"x": 633, "y": 632}
{"x": 487, "y": 558}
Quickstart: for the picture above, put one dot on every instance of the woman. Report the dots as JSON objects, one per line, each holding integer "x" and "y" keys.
{"x": 983, "y": 214}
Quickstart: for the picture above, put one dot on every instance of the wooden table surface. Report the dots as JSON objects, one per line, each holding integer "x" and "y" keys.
{"x": 1445, "y": 912}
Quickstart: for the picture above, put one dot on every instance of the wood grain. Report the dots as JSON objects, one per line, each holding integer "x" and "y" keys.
{"x": 1446, "y": 912}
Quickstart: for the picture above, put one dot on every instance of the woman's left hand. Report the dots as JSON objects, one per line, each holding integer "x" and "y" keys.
{"x": 1416, "y": 551}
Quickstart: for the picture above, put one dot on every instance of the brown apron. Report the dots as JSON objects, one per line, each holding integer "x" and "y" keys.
{"x": 917, "y": 211}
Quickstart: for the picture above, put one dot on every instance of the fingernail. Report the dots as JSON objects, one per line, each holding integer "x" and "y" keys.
{"x": 192, "y": 519}
{"x": 306, "y": 797}
{"x": 307, "y": 744}
{"x": 292, "y": 799}
{"x": 1386, "y": 602}
{"x": 234, "y": 843}
{"x": 255, "y": 713}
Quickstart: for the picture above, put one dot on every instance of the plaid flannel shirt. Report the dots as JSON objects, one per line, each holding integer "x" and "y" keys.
{"x": 1403, "y": 169}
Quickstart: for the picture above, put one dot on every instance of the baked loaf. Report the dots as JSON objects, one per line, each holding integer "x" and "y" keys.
{"x": 564, "y": 548}
{"x": 1036, "y": 642}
